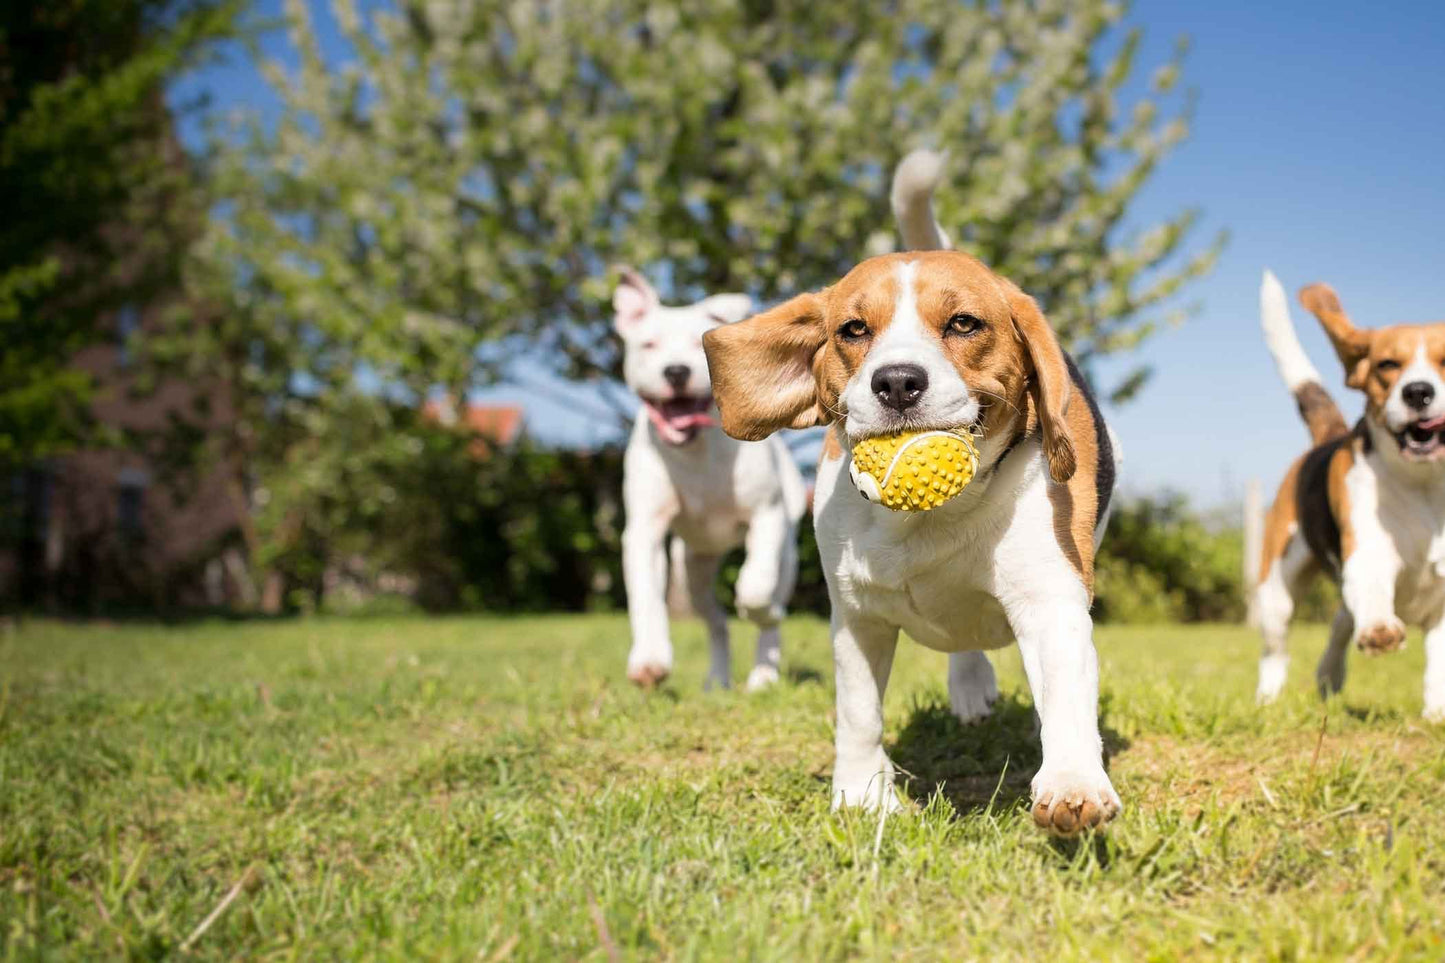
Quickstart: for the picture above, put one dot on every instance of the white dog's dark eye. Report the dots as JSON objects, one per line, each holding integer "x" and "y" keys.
{"x": 648, "y": 345}
{"x": 1387, "y": 364}
{"x": 853, "y": 330}
{"x": 963, "y": 324}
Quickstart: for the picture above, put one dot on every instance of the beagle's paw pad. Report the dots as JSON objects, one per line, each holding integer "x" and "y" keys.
{"x": 1067, "y": 803}
{"x": 648, "y": 676}
{"x": 1382, "y": 637}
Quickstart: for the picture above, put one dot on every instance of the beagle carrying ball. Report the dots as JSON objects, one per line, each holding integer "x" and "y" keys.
{"x": 915, "y": 470}
{"x": 949, "y": 399}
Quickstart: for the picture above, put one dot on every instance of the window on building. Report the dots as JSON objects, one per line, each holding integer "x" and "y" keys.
{"x": 127, "y": 323}
{"x": 130, "y": 503}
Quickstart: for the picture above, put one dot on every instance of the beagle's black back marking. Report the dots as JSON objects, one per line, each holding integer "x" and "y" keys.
{"x": 1317, "y": 522}
{"x": 1104, "y": 476}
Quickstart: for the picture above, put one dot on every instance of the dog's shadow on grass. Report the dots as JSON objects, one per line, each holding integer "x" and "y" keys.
{"x": 989, "y": 762}
{"x": 803, "y": 675}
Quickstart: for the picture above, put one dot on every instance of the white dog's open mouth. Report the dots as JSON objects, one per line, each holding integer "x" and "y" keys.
{"x": 677, "y": 420}
{"x": 1424, "y": 440}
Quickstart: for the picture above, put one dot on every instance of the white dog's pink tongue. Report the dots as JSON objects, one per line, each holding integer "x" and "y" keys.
{"x": 676, "y": 422}
{"x": 1434, "y": 424}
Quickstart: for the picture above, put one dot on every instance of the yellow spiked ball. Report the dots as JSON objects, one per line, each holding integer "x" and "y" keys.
{"x": 914, "y": 471}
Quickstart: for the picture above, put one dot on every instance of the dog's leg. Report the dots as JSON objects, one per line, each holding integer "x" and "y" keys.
{"x": 972, "y": 689}
{"x": 701, "y": 574}
{"x": 1330, "y": 676}
{"x": 1273, "y": 606}
{"x": 1071, "y": 790}
{"x": 765, "y": 582}
{"x": 1368, "y": 588}
{"x": 644, "y": 569}
{"x": 862, "y": 657}
{"x": 1435, "y": 672}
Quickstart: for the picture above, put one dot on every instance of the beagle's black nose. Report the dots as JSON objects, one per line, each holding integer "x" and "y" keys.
{"x": 677, "y": 375}
{"x": 1418, "y": 394}
{"x": 899, "y": 386}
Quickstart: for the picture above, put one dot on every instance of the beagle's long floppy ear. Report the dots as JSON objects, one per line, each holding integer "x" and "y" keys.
{"x": 1049, "y": 383}
{"x": 1351, "y": 344}
{"x": 762, "y": 369}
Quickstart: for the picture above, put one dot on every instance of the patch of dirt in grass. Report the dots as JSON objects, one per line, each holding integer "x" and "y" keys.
{"x": 1162, "y": 768}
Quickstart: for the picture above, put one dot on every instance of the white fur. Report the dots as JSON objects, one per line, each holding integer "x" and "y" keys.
{"x": 656, "y": 336}
{"x": 1294, "y": 365}
{"x": 975, "y": 574}
{"x": 1273, "y": 606}
{"x": 713, "y": 493}
{"x": 947, "y": 400}
{"x": 972, "y": 688}
{"x": 1398, "y": 415}
{"x": 1435, "y": 673}
{"x": 1395, "y": 576}
{"x": 914, "y": 181}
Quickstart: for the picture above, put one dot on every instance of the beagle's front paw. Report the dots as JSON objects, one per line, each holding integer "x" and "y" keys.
{"x": 1068, "y": 801}
{"x": 762, "y": 677}
{"x": 1382, "y": 637}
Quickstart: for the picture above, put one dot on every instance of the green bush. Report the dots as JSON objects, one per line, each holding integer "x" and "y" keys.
{"x": 1161, "y": 561}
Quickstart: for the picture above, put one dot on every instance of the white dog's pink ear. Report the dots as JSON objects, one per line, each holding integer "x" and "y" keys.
{"x": 727, "y": 308}
{"x": 632, "y": 300}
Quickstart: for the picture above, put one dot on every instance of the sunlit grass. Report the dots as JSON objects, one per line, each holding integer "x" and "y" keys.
{"x": 492, "y": 788}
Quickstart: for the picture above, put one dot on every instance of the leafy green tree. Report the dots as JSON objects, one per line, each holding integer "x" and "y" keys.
{"x": 454, "y": 194}
{"x": 94, "y": 199}
{"x": 476, "y": 169}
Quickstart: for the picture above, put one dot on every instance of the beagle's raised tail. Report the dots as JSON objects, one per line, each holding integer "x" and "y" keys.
{"x": 1320, "y": 413}
{"x": 912, "y": 197}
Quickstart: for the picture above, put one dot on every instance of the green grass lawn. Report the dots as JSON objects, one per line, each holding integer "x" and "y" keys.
{"x": 492, "y": 788}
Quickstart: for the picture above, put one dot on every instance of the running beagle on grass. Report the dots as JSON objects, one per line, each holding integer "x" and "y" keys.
{"x": 933, "y": 339}
{"x": 1366, "y": 504}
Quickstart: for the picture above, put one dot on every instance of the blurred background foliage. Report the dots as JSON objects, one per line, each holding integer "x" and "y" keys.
{"x": 99, "y": 201}
{"x": 449, "y": 200}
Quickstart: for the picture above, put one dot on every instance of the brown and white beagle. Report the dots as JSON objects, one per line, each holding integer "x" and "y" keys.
{"x": 1366, "y": 505}
{"x": 934, "y": 339}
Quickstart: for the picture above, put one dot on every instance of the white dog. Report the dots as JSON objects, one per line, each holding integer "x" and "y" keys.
{"x": 931, "y": 340}
{"x": 1364, "y": 505}
{"x": 683, "y": 475}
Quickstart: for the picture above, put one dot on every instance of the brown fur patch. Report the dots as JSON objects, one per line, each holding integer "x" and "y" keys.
{"x": 1320, "y": 413}
{"x": 1389, "y": 351}
{"x": 788, "y": 366}
{"x": 832, "y": 446}
{"x": 1076, "y": 501}
{"x": 1313, "y": 501}
{"x": 1382, "y": 639}
{"x": 1282, "y": 516}
{"x": 1339, "y": 498}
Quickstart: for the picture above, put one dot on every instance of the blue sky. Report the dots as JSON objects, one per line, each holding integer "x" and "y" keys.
{"x": 1318, "y": 142}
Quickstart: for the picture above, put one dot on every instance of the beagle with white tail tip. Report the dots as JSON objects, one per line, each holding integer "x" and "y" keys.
{"x": 1365, "y": 505}
{"x": 935, "y": 340}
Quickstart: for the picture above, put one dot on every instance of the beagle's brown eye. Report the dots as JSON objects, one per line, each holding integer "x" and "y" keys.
{"x": 854, "y": 329}
{"x": 1387, "y": 364}
{"x": 963, "y": 324}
